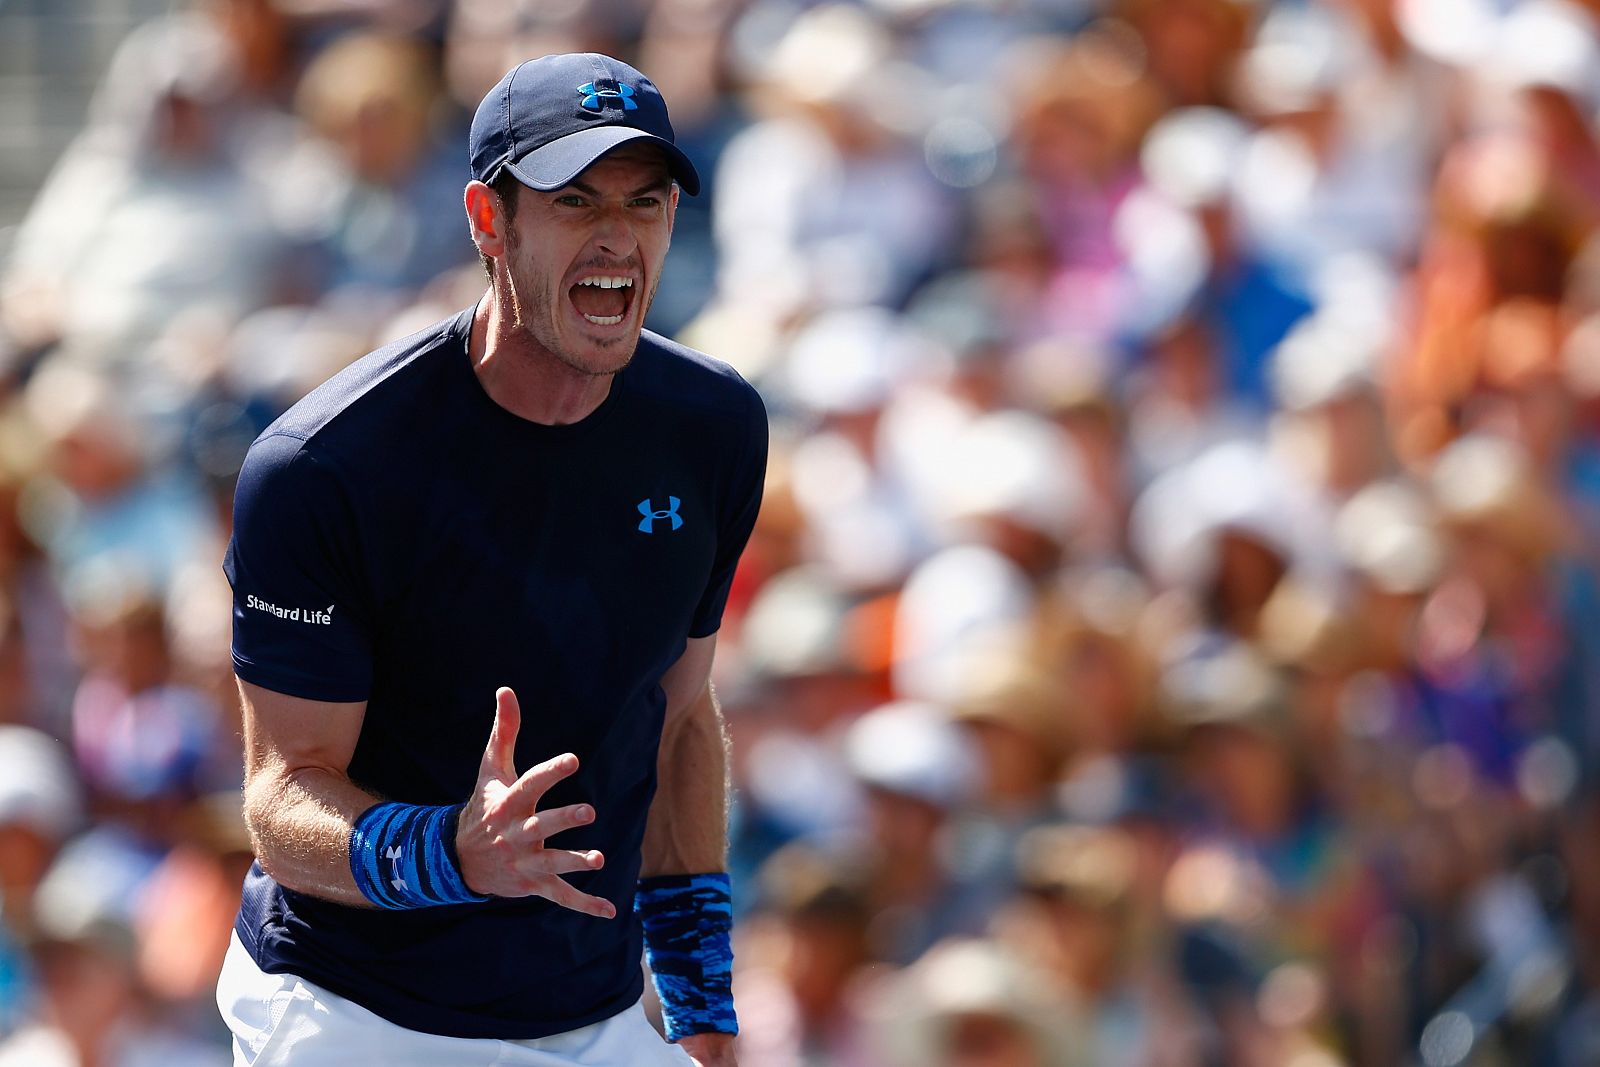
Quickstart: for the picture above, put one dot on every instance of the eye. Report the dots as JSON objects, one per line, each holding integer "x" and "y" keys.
{"x": 570, "y": 200}
{"x": 647, "y": 201}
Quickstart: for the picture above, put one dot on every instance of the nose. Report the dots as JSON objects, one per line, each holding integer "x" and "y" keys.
{"x": 614, "y": 235}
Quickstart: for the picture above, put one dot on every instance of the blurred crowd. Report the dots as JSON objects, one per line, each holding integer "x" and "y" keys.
{"x": 1172, "y": 633}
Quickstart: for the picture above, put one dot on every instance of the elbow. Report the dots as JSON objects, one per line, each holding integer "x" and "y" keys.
{"x": 270, "y": 795}
{"x": 282, "y": 822}
{"x": 696, "y": 710}
{"x": 261, "y": 795}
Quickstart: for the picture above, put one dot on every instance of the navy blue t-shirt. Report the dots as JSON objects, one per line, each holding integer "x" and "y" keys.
{"x": 400, "y": 538}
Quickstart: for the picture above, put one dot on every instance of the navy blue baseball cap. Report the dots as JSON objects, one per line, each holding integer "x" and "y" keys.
{"x": 551, "y": 117}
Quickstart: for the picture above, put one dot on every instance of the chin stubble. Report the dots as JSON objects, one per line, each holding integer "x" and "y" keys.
{"x": 538, "y": 306}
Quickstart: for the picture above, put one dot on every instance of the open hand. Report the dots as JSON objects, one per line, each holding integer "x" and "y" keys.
{"x": 500, "y": 839}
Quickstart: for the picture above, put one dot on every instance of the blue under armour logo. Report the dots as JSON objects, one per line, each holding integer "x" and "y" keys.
{"x": 647, "y": 524}
{"x": 592, "y": 96}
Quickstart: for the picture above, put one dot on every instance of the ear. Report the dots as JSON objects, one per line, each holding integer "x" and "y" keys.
{"x": 672, "y": 208}
{"x": 486, "y": 219}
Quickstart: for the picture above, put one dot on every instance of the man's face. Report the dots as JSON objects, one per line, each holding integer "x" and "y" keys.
{"x": 584, "y": 260}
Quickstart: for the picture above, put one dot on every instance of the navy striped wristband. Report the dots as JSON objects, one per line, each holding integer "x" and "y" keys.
{"x": 404, "y": 856}
{"x": 688, "y": 919}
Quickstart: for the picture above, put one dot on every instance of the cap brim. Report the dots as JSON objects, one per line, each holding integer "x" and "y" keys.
{"x": 557, "y": 163}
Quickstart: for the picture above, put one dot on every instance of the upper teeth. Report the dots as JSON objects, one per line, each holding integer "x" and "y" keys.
{"x": 606, "y": 282}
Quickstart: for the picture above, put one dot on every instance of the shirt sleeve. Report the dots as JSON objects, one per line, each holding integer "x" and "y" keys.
{"x": 302, "y": 609}
{"x": 739, "y": 519}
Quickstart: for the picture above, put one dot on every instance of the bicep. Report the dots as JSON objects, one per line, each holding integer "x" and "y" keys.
{"x": 286, "y": 734}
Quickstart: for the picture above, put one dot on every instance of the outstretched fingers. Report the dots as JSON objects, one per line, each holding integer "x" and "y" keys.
{"x": 557, "y": 861}
{"x": 559, "y": 892}
{"x": 525, "y": 792}
{"x": 499, "y": 757}
{"x": 552, "y": 821}
{"x": 498, "y": 860}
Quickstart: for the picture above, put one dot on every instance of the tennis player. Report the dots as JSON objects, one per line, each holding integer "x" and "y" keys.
{"x": 478, "y": 578}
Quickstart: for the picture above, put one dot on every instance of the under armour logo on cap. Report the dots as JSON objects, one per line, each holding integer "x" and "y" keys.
{"x": 532, "y": 126}
{"x": 592, "y": 96}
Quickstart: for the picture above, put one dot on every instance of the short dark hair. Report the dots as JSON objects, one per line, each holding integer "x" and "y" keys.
{"x": 506, "y": 187}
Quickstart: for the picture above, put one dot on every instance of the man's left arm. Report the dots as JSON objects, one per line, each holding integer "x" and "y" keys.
{"x": 685, "y": 857}
{"x": 688, "y": 828}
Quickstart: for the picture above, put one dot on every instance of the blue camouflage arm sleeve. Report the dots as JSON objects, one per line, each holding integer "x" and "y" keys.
{"x": 688, "y": 922}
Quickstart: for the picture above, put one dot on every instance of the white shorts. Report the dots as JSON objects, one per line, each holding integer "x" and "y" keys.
{"x": 278, "y": 1019}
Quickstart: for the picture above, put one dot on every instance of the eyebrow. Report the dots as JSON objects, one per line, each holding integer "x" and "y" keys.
{"x": 654, "y": 185}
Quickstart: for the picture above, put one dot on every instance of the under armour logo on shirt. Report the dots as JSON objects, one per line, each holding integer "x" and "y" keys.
{"x": 647, "y": 524}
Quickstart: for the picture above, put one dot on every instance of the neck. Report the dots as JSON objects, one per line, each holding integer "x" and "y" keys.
{"x": 523, "y": 377}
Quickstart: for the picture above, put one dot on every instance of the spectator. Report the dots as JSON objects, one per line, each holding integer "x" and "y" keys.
{"x": 1175, "y": 563}
{"x": 149, "y": 212}
{"x": 384, "y": 168}
{"x": 969, "y": 1003}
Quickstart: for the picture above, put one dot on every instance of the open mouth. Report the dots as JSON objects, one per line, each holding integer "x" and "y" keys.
{"x": 603, "y": 299}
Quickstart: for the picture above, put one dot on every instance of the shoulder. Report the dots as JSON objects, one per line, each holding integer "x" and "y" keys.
{"x": 337, "y": 432}
{"x": 379, "y": 387}
{"x": 670, "y": 372}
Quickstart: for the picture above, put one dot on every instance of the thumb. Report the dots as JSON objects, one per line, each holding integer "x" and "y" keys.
{"x": 499, "y": 758}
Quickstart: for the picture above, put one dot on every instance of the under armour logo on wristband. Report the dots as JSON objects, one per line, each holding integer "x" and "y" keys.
{"x": 401, "y": 856}
{"x": 647, "y": 524}
{"x": 394, "y": 856}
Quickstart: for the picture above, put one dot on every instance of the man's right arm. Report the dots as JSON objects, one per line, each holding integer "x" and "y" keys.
{"x": 299, "y": 802}
{"x": 301, "y": 805}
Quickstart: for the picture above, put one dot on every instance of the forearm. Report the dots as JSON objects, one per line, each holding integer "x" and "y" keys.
{"x": 316, "y": 832}
{"x": 300, "y": 824}
{"x": 688, "y": 828}
{"x": 683, "y": 897}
